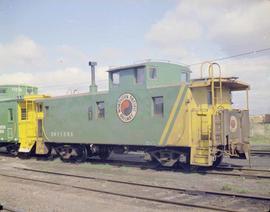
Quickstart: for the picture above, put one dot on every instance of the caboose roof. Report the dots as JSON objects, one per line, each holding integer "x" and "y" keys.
{"x": 120, "y": 68}
{"x": 231, "y": 82}
{"x": 143, "y": 64}
{"x": 16, "y": 86}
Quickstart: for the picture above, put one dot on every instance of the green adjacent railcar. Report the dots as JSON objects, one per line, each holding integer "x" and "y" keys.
{"x": 8, "y": 122}
{"x": 9, "y": 129}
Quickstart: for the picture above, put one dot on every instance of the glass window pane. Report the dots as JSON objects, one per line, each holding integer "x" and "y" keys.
{"x": 184, "y": 77}
{"x": 29, "y": 90}
{"x": 10, "y": 114}
{"x": 100, "y": 110}
{"x": 209, "y": 97}
{"x": 187, "y": 77}
{"x": 90, "y": 113}
{"x": 140, "y": 75}
{"x": 3, "y": 90}
{"x": 153, "y": 73}
{"x": 23, "y": 114}
{"x": 115, "y": 78}
{"x": 158, "y": 105}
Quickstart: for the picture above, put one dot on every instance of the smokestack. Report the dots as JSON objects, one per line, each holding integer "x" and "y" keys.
{"x": 93, "y": 86}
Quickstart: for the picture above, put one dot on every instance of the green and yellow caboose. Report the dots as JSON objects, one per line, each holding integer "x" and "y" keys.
{"x": 152, "y": 107}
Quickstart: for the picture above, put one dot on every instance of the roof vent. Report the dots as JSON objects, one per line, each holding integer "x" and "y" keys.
{"x": 93, "y": 86}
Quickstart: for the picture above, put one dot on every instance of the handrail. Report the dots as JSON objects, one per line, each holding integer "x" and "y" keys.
{"x": 211, "y": 75}
{"x": 201, "y": 68}
{"x": 214, "y": 103}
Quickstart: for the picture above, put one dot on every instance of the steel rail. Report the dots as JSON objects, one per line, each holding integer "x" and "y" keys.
{"x": 260, "y": 152}
{"x": 184, "y": 190}
{"x": 123, "y": 195}
{"x": 3, "y": 207}
{"x": 145, "y": 165}
{"x": 241, "y": 169}
{"x": 234, "y": 174}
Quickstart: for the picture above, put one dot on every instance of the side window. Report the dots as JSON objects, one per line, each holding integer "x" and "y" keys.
{"x": 139, "y": 73}
{"x": 29, "y": 90}
{"x": 230, "y": 97}
{"x": 158, "y": 105}
{"x": 100, "y": 110}
{"x": 3, "y": 90}
{"x": 187, "y": 77}
{"x": 184, "y": 77}
{"x": 115, "y": 78}
{"x": 153, "y": 73}
{"x": 10, "y": 115}
{"x": 90, "y": 113}
{"x": 209, "y": 97}
{"x": 47, "y": 109}
{"x": 39, "y": 107}
{"x": 23, "y": 114}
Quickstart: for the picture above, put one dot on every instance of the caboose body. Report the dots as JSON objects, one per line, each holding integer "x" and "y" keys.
{"x": 151, "y": 107}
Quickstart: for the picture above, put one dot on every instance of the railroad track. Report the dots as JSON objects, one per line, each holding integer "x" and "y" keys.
{"x": 238, "y": 172}
{"x": 234, "y": 171}
{"x": 223, "y": 170}
{"x": 187, "y": 192}
{"x": 265, "y": 152}
{"x": 4, "y": 207}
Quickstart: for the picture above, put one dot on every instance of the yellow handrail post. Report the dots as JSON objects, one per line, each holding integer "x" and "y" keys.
{"x": 247, "y": 100}
{"x": 214, "y": 103}
{"x": 206, "y": 62}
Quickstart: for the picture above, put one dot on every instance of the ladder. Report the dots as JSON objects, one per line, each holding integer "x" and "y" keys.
{"x": 216, "y": 124}
{"x": 205, "y": 146}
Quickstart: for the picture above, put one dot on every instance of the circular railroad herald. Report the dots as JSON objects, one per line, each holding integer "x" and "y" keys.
{"x": 126, "y": 107}
{"x": 233, "y": 124}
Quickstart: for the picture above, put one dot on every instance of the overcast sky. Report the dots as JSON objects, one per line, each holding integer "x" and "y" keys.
{"x": 49, "y": 43}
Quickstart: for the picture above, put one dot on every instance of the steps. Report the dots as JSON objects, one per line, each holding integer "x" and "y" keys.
{"x": 202, "y": 153}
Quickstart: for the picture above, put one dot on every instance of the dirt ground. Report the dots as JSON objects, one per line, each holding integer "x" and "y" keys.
{"x": 28, "y": 196}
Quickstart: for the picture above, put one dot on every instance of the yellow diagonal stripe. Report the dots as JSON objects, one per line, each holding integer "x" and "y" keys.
{"x": 172, "y": 114}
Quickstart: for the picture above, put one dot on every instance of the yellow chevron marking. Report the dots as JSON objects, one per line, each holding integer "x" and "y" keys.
{"x": 172, "y": 114}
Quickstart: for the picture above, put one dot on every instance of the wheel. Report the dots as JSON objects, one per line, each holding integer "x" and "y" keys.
{"x": 81, "y": 152}
{"x": 72, "y": 153}
{"x": 12, "y": 150}
{"x": 219, "y": 158}
{"x": 24, "y": 155}
{"x": 187, "y": 167}
{"x": 104, "y": 154}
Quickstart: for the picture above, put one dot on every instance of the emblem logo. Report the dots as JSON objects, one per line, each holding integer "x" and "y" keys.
{"x": 126, "y": 107}
{"x": 233, "y": 124}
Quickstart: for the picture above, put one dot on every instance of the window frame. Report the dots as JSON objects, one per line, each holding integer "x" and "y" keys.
{"x": 151, "y": 71}
{"x": 184, "y": 76}
{"x": 29, "y": 90}
{"x": 25, "y": 117}
{"x": 137, "y": 70}
{"x": 90, "y": 113}
{"x": 155, "y": 108}
{"x": 3, "y": 91}
{"x": 112, "y": 74}
{"x": 98, "y": 110}
{"x": 10, "y": 115}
